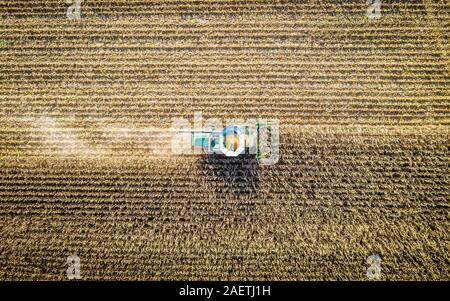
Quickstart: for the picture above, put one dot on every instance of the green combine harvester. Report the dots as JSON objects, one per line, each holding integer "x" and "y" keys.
{"x": 260, "y": 140}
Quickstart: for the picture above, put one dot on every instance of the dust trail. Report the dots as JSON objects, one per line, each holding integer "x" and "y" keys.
{"x": 100, "y": 140}
{"x": 62, "y": 140}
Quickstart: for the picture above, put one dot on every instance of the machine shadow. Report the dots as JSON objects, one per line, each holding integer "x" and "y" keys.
{"x": 237, "y": 175}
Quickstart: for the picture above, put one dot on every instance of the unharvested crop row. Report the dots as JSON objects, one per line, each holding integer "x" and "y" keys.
{"x": 114, "y": 8}
{"x": 165, "y": 118}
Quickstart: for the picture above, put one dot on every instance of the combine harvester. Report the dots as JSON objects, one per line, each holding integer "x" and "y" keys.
{"x": 260, "y": 140}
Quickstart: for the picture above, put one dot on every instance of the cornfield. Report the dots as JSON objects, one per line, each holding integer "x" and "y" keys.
{"x": 85, "y": 161}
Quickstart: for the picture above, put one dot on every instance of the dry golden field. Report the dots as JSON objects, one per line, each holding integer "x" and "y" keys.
{"x": 85, "y": 161}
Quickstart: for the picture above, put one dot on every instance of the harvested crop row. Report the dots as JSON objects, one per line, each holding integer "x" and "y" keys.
{"x": 299, "y": 69}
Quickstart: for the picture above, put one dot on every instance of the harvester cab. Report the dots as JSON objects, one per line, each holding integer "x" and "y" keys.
{"x": 236, "y": 140}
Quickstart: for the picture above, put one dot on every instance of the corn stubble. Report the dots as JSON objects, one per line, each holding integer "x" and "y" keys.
{"x": 86, "y": 166}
